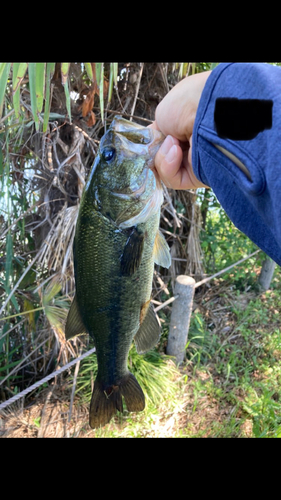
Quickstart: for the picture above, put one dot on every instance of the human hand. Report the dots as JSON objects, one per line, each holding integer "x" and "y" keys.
{"x": 175, "y": 117}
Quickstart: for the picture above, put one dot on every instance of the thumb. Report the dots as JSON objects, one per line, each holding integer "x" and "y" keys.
{"x": 168, "y": 161}
{"x": 173, "y": 165}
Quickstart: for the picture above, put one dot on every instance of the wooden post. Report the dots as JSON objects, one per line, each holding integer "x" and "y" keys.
{"x": 266, "y": 274}
{"x": 180, "y": 317}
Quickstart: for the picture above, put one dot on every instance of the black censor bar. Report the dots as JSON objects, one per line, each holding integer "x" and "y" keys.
{"x": 242, "y": 119}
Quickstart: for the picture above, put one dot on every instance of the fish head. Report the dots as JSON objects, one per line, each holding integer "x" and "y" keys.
{"x": 125, "y": 185}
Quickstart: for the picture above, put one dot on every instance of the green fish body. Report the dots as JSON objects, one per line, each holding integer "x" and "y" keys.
{"x": 117, "y": 242}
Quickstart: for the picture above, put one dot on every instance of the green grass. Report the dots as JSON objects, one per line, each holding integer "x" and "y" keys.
{"x": 161, "y": 384}
{"x": 240, "y": 377}
{"x": 230, "y": 385}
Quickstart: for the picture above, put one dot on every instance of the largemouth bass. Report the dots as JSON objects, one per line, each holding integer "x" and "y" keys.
{"x": 117, "y": 241}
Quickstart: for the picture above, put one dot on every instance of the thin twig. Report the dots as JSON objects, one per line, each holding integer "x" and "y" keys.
{"x": 164, "y": 76}
{"x": 126, "y": 114}
{"x": 44, "y": 380}
{"x": 26, "y": 212}
{"x": 74, "y": 386}
{"x": 162, "y": 284}
{"x": 42, "y": 427}
{"x": 169, "y": 301}
{"x": 22, "y": 313}
{"x": 137, "y": 90}
{"x": 7, "y": 116}
{"x": 19, "y": 281}
{"x": 199, "y": 283}
{"x": 13, "y": 327}
{"x": 22, "y": 361}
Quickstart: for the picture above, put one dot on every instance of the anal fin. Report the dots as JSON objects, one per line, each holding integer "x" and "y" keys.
{"x": 74, "y": 323}
{"x": 149, "y": 331}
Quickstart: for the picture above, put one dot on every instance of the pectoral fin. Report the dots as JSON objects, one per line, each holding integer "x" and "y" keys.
{"x": 132, "y": 253}
{"x": 149, "y": 331}
{"x": 74, "y": 324}
{"x": 161, "y": 251}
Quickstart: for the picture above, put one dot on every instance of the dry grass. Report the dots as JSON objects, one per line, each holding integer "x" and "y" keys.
{"x": 46, "y": 417}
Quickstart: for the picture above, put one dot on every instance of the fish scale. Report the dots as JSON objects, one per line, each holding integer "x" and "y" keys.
{"x": 116, "y": 244}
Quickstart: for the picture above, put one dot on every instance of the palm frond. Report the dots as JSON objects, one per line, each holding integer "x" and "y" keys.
{"x": 57, "y": 247}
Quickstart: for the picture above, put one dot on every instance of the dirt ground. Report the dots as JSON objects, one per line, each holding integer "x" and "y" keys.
{"x": 46, "y": 414}
{"x": 47, "y": 417}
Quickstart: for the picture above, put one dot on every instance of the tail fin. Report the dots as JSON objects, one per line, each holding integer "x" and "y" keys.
{"x": 132, "y": 392}
{"x": 105, "y": 403}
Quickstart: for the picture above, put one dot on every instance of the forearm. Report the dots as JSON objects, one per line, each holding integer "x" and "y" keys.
{"x": 244, "y": 174}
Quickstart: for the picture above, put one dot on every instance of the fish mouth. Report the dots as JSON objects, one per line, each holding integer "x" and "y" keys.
{"x": 133, "y": 131}
{"x": 138, "y": 139}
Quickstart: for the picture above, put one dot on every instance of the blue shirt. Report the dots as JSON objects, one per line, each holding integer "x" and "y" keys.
{"x": 245, "y": 175}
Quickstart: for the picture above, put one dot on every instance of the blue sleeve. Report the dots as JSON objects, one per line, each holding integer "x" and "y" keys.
{"x": 245, "y": 175}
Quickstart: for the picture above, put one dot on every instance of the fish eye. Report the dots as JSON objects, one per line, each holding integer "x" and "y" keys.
{"x": 108, "y": 153}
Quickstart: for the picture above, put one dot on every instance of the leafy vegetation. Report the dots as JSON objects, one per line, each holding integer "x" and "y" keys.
{"x": 52, "y": 116}
{"x": 240, "y": 371}
{"x": 223, "y": 244}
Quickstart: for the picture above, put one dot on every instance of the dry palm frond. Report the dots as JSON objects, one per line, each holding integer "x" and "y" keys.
{"x": 170, "y": 208}
{"x": 193, "y": 243}
{"x": 56, "y": 307}
{"x": 57, "y": 247}
{"x": 181, "y": 223}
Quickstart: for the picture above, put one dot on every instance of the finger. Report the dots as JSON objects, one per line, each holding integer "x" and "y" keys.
{"x": 168, "y": 161}
{"x": 174, "y": 166}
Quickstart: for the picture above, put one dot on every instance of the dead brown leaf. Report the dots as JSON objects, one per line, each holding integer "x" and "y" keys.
{"x": 92, "y": 120}
{"x": 88, "y": 102}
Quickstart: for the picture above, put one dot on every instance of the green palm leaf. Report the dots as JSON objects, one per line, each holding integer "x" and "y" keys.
{"x": 4, "y": 75}
{"x": 32, "y": 89}
{"x": 89, "y": 71}
{"x": 19, "y": 70}
{"x": 49, "y": 73}
{"x": 64, "y": 77}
